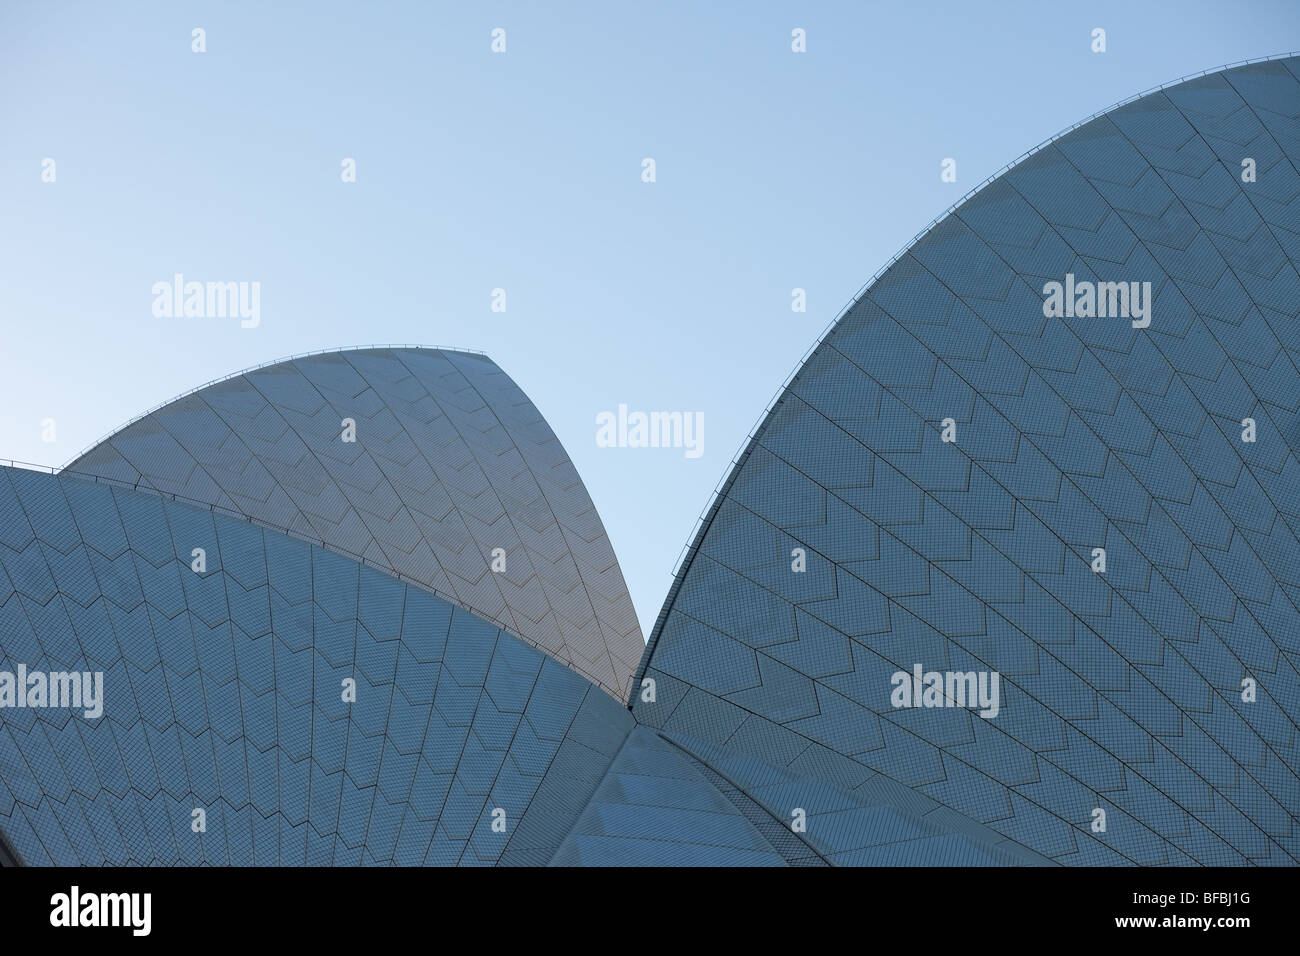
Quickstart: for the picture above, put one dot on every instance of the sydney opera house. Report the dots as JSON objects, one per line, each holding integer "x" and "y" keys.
{"x": 1009, "y": 574}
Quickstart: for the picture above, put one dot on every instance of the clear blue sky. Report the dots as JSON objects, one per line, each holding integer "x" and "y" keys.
{"x": 519, "y": 170}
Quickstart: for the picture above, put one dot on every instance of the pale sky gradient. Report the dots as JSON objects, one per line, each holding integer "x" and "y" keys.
{"x": 520, "y": 170}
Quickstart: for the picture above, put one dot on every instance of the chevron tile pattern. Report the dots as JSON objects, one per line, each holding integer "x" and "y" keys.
{"x": 223, "y": 693}
{"x": 1103, "y": 516}
{"x": 1122, "y": 690}
{"x": 451, "y": 461}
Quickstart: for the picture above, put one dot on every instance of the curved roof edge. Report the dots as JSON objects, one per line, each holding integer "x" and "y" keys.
{"x": 253, "y": 368}
{"x": 705, "y": 517}
{"x": 287, "y": 532}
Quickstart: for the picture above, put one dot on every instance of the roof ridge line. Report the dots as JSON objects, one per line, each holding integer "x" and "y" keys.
{"x": 360, "y": 559}
{"x": 253, "y": 368}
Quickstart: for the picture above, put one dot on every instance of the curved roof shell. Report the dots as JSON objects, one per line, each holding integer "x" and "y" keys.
{"x": 1121, "y": 690}
{"x": 224, "y": 691}
{"x": 450, "y": 462}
